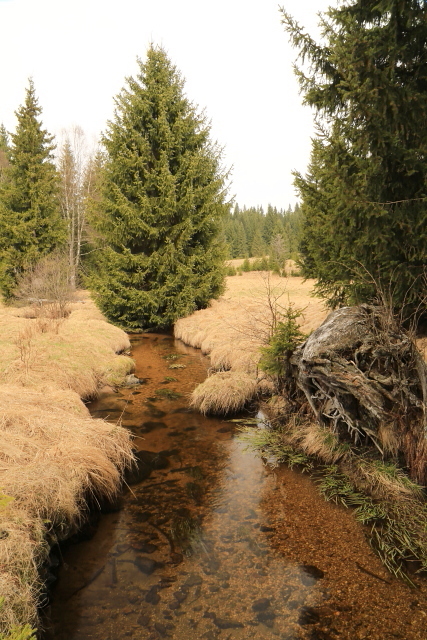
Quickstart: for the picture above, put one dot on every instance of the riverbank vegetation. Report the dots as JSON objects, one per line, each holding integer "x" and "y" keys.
{"x": 55, "y": 459}
{"x": 352, "y": 411}
{"x": 234, "y": 328}
{"x": 354, "y": 420}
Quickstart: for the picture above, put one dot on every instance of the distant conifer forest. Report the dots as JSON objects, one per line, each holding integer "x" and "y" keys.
{"x": 253, "y": 232}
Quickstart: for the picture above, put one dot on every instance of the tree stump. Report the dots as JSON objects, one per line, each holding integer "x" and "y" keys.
{"x": 365, "y": 380}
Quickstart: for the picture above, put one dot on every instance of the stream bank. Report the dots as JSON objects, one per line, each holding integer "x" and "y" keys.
{"x": 208, "y": 543}
{"x": 53, "y": 455}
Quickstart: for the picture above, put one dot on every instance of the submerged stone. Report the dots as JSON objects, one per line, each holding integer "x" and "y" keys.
{"x": 145, "y": 463}
{"x": 150, "y": 425}
{"x": 225, "y": 429}
{"x": 131, "y": 380}
{"x": 145, "y": 565}
{"x": 225, "y": 623}
{"x": 264, "y": 616}
{"x": 193, "y": 580}
{"x": 152, "y": 597}
{"x": 144, "y": 547}
{"x": 154, "y": 412}
{"x": 161, "y": 629}
{"x": 176, "y": 558}
{"x": 180, "y": 595}
{"x": 308, "y": 615}
{"x": 261, "y": 605}
{"x": 310, "y": 574}
{"x": 143, "y": 620}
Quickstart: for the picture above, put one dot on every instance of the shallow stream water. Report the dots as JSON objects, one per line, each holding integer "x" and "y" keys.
{"x": 208, "y": 543}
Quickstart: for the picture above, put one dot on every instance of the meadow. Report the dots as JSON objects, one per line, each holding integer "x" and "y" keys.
{"x": 232, "y": 330}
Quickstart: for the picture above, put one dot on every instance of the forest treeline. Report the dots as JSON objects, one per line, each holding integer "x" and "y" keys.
{"x": 253, "y": 232}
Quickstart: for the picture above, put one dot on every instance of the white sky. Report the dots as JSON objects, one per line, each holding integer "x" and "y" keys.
{"x": 234, "y": 55}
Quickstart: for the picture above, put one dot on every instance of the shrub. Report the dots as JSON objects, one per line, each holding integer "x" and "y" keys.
{"x": 286, "y": 337}
{"x": 47, "y": 285}
{"x": 246, "y": 266}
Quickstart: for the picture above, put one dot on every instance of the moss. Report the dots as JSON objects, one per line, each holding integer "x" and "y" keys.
{"x": 168, "y": 394}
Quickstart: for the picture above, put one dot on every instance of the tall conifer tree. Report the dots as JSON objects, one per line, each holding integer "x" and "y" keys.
{"x": 162, "y": 204}
{"x": 365, "y": 196}
{"x": 4, "y": 151}
{"x": 30, "y": 221}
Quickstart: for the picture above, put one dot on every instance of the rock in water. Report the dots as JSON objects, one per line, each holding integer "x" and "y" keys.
{"x": 308, "y": 615}
{"x": 310, "y": 574}
{"x": 146, "y": 565}
{"x": 225, "y": 623}
{"x": 193, "y": 580}
{"x": 261, "y": 605}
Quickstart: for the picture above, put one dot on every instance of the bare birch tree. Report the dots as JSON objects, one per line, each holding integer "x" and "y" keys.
{"x": 77, "y": 167}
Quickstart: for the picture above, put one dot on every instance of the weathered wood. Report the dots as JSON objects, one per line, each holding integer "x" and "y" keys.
{"x": 364, "y": 378}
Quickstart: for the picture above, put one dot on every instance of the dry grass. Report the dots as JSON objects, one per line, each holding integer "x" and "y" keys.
{"x": 224, "y": 392}
{"x": 233, "y": 328}
{"x": 51, "y": 458}
{"x": 314, "y": 440}
{"x": 382, "y": 480}
{"x": 51, "y": 461}
{"x": 53, "y": 455}
{"x": 22, "y": 550}
{"x": 77, "y": 353}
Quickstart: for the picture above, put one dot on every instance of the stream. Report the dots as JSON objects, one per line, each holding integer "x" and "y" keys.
{"x": 208, "y": 543}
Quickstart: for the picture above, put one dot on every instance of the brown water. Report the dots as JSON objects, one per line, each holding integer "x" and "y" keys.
{"x": 211, "y": 544}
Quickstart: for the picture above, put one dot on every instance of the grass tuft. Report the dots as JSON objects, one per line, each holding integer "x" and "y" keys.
{"x": 398, "y": 531}
{"x": 223, "y": 393}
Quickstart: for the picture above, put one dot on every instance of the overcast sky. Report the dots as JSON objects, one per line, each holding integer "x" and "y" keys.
{"x": 234, "y": 55}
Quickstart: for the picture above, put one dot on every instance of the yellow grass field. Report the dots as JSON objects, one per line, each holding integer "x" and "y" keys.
{"x": 53, "y": 455}
{"x": 232, "y": 330}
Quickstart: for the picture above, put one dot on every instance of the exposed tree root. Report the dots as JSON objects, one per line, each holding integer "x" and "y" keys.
{"x": 365, "y": 382}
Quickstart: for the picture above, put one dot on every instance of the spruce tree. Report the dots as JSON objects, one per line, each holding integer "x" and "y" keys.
{"x": 162, "y": 204}
{"x": 270, "y": 221}
{"x": 365, "y": 196}
{"x": 30, "y": 221}
{"x": 240, "y": 248}
{"x": 258, "y": 247}
{"x": 4, "y": 151}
